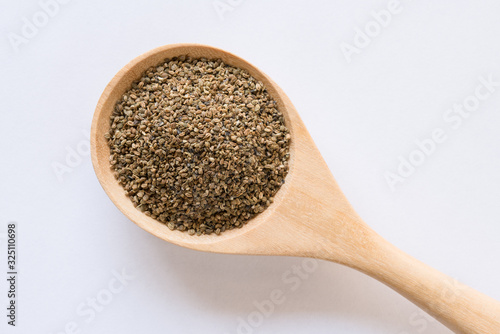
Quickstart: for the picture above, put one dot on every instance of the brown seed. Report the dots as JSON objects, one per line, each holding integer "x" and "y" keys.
{"x": 199, "y": 145}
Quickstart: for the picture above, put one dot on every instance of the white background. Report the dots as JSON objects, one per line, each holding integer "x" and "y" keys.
{"x": 362, "y": 114}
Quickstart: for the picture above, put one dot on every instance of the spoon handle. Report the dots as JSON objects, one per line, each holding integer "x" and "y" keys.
{"x": 457, "y": 306}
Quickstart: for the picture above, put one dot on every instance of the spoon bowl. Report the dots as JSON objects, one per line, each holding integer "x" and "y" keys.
{"x": 310, "y": 216}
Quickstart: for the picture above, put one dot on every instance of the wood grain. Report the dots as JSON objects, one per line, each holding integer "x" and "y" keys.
{"x": 310, "y": 216}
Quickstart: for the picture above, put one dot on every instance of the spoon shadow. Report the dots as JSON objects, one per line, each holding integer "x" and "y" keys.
{"x": 241, "y": 288}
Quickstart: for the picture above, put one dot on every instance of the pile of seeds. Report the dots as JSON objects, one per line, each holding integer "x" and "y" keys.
{"x": 199, "y": 145}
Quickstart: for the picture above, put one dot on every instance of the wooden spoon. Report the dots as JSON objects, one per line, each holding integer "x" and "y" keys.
{"x": 310, "y": 216}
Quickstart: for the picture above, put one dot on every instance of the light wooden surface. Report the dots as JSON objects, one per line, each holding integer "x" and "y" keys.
{"x": 310, "y": 216}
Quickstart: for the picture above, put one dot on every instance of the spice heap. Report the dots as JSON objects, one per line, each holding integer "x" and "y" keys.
{"x": 199, "y": 145}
